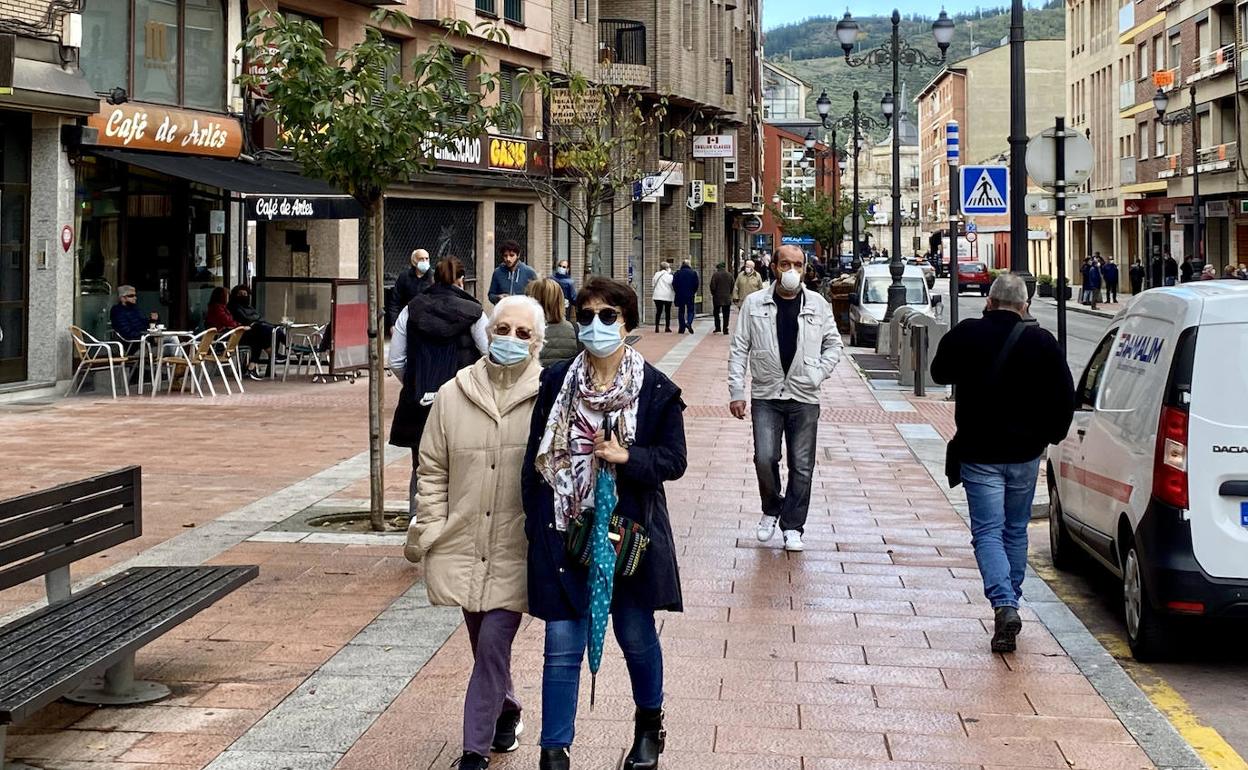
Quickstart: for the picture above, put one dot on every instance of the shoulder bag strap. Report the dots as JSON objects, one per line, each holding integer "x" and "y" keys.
{"x": 999, "y": 363}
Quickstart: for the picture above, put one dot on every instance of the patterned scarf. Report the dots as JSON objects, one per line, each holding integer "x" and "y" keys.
{"x": 565, "y": 457}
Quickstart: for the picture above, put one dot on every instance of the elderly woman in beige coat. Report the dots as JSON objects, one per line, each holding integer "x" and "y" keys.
{"x": 469, "y": 523}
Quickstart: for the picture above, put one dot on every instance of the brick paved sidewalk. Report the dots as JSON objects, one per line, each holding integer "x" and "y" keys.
{"x": 867, "y": 651}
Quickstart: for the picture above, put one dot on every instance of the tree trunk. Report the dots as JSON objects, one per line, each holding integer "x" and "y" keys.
{"x": 376, "y": 371}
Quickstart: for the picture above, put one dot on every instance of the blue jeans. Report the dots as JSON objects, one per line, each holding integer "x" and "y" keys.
{"x": 1000, "y": 498}
{"x": 797, "y": 425}
{"x": 684, "y": 314}
{"x": 561, "y": 676}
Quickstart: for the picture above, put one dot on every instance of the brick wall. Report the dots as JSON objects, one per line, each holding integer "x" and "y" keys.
{"x": 30, "y": 12}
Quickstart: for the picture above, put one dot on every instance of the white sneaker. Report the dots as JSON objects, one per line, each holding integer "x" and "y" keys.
{"x": 767, "y": 527}
{"x": 793, "y": 540}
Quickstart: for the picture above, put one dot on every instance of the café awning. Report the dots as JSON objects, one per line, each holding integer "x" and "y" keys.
{"x": 267, "y": 193}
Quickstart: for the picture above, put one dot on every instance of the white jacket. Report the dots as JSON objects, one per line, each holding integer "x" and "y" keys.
{"x": 662, "y": 285}
{"x": 755, "y": 343}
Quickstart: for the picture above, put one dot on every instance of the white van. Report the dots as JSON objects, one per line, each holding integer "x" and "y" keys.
{"x": 1152, "y": 479}
{"x": 869, "y": 301}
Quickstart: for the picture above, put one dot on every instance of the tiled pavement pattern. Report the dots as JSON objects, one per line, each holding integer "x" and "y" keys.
{"x": 868, "y": 651}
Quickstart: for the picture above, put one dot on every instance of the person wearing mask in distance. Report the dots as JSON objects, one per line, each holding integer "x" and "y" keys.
{"x": 748, "y": 282}
{"x": 512, "y": 276}
{"x": 568, "y": 448}
{"x": 440, "y": 332}
{"x": 563, "y": 276}
{"x": 259, "y": 335}
{"x": 474, "y": 556}
{"x": 412, "y": 281}
{"x": 789, "y": 341}
{"x": 664, "y": 295}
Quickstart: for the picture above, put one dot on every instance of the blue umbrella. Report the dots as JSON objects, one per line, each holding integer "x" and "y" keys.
{"x": 601, "y": 571}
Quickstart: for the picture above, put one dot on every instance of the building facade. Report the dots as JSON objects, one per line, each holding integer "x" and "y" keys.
{"x": 791, "y": 169}
{"x": 875, "y": 185}
{"x": 784, "y": 94}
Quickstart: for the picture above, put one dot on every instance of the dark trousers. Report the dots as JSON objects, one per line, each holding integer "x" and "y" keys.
{"x": 1136, "y": 285}
{"x": 721, "y": 311}
{"x": 1111, "y": 292}
{"x": 797, "y": 425}
{"x": 663, "y": 309}
{"x": 684, "y": 314}
{"x": 490, "y": 691}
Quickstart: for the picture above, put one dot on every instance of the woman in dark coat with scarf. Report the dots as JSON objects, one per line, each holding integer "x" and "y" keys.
{"x": 567, "y": 448}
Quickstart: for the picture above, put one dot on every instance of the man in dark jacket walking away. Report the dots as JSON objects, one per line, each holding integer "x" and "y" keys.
{"x": 1109, "y": 272}
{"x": 1014, "y": 398}
{"x": 412, "y": 281}
{"x": 685, "y": 283}
{"x": 721, "y": 296}
{"x": 512, "y": 276}
{"x": 1137, "y": 277}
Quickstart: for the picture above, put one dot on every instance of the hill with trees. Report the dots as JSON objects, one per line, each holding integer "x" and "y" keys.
{"x": 810, "y": 50}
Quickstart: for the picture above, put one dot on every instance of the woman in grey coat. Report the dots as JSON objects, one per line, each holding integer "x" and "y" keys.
{"x": 561, "y": 344}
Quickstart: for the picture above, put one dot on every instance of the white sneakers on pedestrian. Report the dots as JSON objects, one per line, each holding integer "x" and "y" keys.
{"x": 793, "y": 541}
{"x": 767, "y": 527}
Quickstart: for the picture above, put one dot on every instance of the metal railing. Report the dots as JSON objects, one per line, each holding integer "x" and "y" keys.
{"x": 1213, "y": 63}
{"x": 1220, "y": 157}
{"x": 621, "y": 41}
{"x": 1171, "y": 168}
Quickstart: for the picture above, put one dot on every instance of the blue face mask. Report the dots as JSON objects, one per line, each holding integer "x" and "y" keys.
{"x": 561, "y": 271}
{"x": 508, "y": 351}
{"x": 422, "y": 266}
{"x": 599, "y": 339}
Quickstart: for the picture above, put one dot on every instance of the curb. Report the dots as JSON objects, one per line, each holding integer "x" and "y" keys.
{"x": 1154, "y": 733}
{"x": 1075, "y": 307}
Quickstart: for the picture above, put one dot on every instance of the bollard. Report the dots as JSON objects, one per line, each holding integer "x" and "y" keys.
{"x": 918, "y": 341}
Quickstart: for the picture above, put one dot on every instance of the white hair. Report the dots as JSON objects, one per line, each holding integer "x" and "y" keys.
{"x": 124, "y": 289}
{"x": 533, "y": 306}
{"x": 1009, "y": 290}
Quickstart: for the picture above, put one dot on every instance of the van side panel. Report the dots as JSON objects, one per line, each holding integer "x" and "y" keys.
{"x": 1217, "y": 456}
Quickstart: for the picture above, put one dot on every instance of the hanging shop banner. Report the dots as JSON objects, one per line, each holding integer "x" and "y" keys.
{"x": 714, "y": 146}
{"x": 135, "y": 126}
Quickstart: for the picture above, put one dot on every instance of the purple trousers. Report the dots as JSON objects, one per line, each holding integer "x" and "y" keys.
{"x": 490, "y": 691}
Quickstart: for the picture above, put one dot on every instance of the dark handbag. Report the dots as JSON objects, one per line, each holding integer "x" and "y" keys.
{"x": 953, "y": 459}
{"x": 628, "y": 537}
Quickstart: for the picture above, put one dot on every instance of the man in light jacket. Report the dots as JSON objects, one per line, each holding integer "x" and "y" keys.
{"x": 789, "y": 340}
{"x": 748, "y": 282}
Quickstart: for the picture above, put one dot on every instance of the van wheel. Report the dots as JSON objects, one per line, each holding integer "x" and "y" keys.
{"x": 1061, "y": 546}
{"x": 1148, "y": 631}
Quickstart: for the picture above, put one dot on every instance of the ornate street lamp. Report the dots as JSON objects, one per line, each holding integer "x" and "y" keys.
{"x": 856, "y": 121}
{"x": 1187, "y": 115}
{"x": 895, "y": 52}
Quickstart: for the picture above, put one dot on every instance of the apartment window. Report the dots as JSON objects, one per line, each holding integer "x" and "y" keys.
{"x": 1141, "y": 60}
{"x": 716, "y": 32}
{"x": 487, "y": 7}
{"x": 394, "y": 67}
{"x": 513, "y": 11}
{"x": 730, "y": 170}
{"x": 1176, "y": 51}
{"x": 580, "y": 10}
{"x": 729, "y": 77}
{"x": 1159, "y": 54}
{"x": 1204, "y": 41}
{"x": 1159, "y": 135}
{"x": 1143, "y": 141}
{"x": 686, "y": 23}
{"x": 178, "y": 54}
{"x": 509, "y": 92}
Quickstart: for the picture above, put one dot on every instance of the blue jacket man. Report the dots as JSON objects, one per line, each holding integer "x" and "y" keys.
{"x": 685, "y": 283}
{"x": 127, "y": 320}
{"x": 1109, "y": 271}
{"x": 512, "y": 276}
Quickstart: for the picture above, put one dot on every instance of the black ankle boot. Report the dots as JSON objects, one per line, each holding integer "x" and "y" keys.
{"x": 554, "y": 759}
{"x": 649, "y": 739}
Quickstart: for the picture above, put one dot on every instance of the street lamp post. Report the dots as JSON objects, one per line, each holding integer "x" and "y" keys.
{"x": 1018, "y": 148}
{"x": 1187, "y": 115}
{"x": 856, "y": 121}
{"x": 896, "y": 52}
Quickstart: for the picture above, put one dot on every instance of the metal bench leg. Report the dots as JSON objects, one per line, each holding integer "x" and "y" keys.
{"x": 119, "y": 688}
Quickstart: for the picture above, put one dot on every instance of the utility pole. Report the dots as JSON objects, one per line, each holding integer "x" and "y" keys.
{"x": 1018, "y": 148}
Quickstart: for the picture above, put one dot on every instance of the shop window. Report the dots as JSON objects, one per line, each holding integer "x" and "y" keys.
{"x": 511, "y": 223}
{"x": 178, "y": 56}
{"x": 444, "y": 228}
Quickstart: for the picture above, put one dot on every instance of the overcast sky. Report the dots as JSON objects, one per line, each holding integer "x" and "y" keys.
{"x": 777, "y": 12}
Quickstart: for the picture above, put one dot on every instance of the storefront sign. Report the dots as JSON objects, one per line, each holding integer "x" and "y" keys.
{"x": 136, "y": 126}
{"x": 710, "y": 193}
{"x": 714, "y": 146}
{"x": 268, "y": 208}
{"x": 672, "y": 172}
{"x": 569, "y": 110}
{"x": 508, "y": 154}
{"x": 1142, "y": 206}
{"x": 1218, "y": 209}
{"x": 459, "y": 153}
{"x": 493, "y": 153}
{"x": 797, "y": 240}
{"x": 752, "y": 223}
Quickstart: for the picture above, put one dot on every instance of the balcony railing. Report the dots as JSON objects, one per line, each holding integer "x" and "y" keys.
{"x": 1220, "y": 157}
{"x": 1126, "y": 168}
{"x": 1126, "y": 95}
{"x": 1164, "y": 4}
{"x": 1126, "y": 17}
{"x": 1171, "y": 168}
{"x": 1213, "y": 63}
{"x": 621, "y": 41}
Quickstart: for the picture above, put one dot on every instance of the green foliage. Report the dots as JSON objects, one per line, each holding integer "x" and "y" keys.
{"x": 816, "y": 216}
{"x": 811, "y": 51}
{"x": 1044, "y": 279}
{"x": 344, "y": 121}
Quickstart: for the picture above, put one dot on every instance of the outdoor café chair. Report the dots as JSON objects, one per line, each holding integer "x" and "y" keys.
{"x": 191, "y": 361}
{"x": 226, "y": 352}
{"x": 96, "y": 355}
{"x": 303, "y": 344}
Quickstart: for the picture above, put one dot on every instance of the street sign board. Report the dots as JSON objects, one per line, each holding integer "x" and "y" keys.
{"x": 752, "y": 223}
{"x": 971, "y": 227}
{"x": 952, "y": 149}
{"x": 1044, "y": 205}
{"x": 971, "y": 237}
{"x": 1042, "y": 158}
{"x": 985, "y": 190}
{"x": 848, "y": 223}
{"x": 714, "y": 146}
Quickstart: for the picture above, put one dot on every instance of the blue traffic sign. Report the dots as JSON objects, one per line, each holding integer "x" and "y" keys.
{"x": 985, "y": 190}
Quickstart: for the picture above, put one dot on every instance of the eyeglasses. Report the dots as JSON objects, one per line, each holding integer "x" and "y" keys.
{"x": 608, "y": 315}
{"x": 522, "y": 332}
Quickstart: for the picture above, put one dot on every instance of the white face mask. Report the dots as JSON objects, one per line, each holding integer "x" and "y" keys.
{"x": 749, "y": 270}
{"x": 790, "y": 280}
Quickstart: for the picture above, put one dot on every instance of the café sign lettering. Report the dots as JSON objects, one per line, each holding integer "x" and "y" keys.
{"x": 136, "y": 126}
{"x": 283, "y": 208}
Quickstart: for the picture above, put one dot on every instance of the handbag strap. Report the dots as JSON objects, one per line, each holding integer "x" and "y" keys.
{"x": 999, "y": 363}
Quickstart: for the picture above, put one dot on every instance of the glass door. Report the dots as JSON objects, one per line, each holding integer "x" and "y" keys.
{"x": 14, "y": 242}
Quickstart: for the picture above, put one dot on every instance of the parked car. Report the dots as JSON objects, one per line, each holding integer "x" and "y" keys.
{"x": 929, "y": 272}
{"x": 1152, "y": 480}
{"x": 869, "y": 301}
{"x": 972, "y": 274}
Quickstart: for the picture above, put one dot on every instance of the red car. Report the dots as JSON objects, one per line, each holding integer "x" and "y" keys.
{"x": 971, "y": 274}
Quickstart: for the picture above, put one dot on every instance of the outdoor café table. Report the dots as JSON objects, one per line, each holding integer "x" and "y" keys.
{"x": 291, "y": 328}
{"x": 156, "y": 339}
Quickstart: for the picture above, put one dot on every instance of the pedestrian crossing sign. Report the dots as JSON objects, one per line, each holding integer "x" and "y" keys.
{"x": 985, "y": 190}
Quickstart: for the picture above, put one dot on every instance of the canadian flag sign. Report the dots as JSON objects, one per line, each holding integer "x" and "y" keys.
{"x": 715, "y": 146}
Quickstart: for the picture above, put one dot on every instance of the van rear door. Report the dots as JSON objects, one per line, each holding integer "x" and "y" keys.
{"x": 1218, "y": 440}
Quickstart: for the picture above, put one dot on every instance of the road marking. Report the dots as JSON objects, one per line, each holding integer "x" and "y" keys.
{"x": 1205, "y": 740}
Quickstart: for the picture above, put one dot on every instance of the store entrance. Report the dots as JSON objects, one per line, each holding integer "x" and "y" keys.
{"x": 14, "y": 238}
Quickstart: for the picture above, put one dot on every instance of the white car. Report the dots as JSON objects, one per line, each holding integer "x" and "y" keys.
{"x": 1152, "y": 479}
{"x": 869, "y": 301}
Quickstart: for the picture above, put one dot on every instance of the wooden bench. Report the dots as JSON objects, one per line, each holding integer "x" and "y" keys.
{"x": 82, "y": 645}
